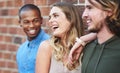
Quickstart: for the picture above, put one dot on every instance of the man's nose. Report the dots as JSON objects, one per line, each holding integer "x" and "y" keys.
{"x": 85, "y": 14}
{"x": 31, "y": 24}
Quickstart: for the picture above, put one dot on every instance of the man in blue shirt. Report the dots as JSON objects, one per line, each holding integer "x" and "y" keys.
{"x": 30, "y": 20}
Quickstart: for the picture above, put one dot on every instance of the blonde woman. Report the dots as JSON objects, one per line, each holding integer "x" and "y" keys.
{"x": 66, "y": 25}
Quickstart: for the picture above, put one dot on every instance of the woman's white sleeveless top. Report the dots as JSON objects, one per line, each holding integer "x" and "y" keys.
{"x": 58, "y": 67}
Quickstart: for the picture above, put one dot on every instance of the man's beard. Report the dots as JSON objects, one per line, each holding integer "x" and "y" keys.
{"x": 93, "y": 30}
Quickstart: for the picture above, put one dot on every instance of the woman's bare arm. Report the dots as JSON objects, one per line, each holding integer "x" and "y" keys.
{"x": 78, "y": 46}
{"x": 43, "y": 58}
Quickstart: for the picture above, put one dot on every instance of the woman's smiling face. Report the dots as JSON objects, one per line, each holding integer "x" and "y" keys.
{"x": 58, "y": 22}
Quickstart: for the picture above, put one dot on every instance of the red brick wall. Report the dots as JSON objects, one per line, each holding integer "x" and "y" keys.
{"x": 11, "y": 35}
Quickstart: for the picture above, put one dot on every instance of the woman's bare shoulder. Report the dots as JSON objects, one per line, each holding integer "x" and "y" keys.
{"x": 45, "y": 46}
{"x": 43, "y": 57}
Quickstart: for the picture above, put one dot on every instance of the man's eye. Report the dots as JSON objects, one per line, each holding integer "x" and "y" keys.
{"x": 25, "y": 22}
{"x": 89, "y": 7}
{"x": 36, "y": 20}
{"x": 55, "y": 15}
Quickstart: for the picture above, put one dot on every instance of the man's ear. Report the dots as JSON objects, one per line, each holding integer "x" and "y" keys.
{"x": 20, "y": 23}
{"x": 110, "y": 12}
{"x": 41, "y": 20}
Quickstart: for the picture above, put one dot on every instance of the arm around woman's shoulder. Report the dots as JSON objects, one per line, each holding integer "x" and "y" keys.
{"x": 43, "y": 57}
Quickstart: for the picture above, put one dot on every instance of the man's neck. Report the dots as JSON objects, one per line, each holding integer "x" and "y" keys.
{"x": 104, "y": 35}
